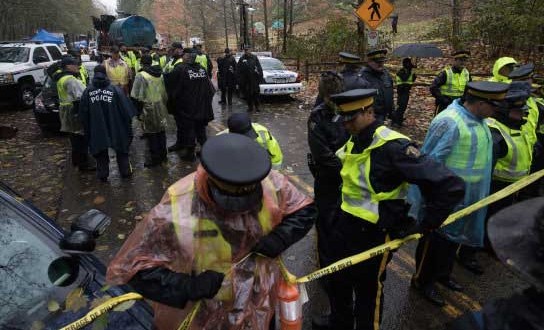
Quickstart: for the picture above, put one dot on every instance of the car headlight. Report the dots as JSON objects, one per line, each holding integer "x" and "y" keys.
{"x": 6, "y": 78}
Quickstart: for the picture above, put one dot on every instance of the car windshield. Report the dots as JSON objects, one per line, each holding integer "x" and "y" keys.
{"x": 14, "y": 54}
{"x": 271, "y": 64}
{"x": 40, "y": 287}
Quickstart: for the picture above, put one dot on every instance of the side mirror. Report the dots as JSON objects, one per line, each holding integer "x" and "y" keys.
{"x": 84, "y": 231}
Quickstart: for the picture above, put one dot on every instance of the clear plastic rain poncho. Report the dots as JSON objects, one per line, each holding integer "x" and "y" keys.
{"x": 151, "y": 91}
{"x": 165, "y": 238}
{"x": 461, "y": 150}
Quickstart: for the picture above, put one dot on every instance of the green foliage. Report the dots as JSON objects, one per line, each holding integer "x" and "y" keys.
{"x": 508, "y": 24}
{"x": 339, "y": 34}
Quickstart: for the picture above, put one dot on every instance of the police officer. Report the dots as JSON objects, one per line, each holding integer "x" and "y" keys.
{"x": 450, "y": 82}
{"x": 379, "y": 78}
{"x": 377, "y": 165}
{"x": 177, "y": 57}
{"x": 325, "y": 137}
{"x": 533, "y": 129}
{"x": 240, "y": 123}
{"x": 250, "y": 74}
{"x": 203, "y": 59}
{"x": 502, "y": 68}
{"x": 512, "y": 152}
{"x": 405, "y": 79}
{"x": 350, "y": 73}
{"x": 194, "y": 245}
{"x": 70, "y": 89}
{"x": 517, "y": 237}
{"x": 459, "y": 138}
{"x": 226, "y": 76}
{"x": 129, "y": 57}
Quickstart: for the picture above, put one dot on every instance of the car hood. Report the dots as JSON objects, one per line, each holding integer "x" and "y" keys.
{"x": 15, "y": 67}
{"x": 278, "y": 74}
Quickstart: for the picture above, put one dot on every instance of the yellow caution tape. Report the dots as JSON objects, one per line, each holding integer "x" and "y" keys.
{"x": 395, "y": 244}
{"x": 101, "y": 309}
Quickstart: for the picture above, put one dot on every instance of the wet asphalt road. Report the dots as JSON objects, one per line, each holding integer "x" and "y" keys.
{"x": 127, "y": 202}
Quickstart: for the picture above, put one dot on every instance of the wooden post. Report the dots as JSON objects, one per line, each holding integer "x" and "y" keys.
{"x": 298, "y": 63}
{"x": 306, "y": 70}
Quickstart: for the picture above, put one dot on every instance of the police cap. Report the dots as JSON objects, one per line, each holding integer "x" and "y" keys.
{"x": 68, "y": 60}
{"x": 493, "y": 92}
{"x": 344, "y": 57}
{"x": 350, "y": 103}
{"x": 516, "y": 234}
{"x": 378, "y": 55}
{"x": 235, "y": 160}
{"x": 240, "y": 123}
{"x": 461, "y": 54}
{"x": 522, "y": 72}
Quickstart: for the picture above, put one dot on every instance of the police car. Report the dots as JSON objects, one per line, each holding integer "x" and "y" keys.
{"x": 22, "y": 67}
{"x": 277, "y": 79}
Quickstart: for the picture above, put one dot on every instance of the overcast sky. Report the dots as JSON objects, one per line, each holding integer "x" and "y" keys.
{"x": 110, "y": 4}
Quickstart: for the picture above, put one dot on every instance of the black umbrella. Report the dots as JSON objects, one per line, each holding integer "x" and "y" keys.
{"x": 417, "y": 50}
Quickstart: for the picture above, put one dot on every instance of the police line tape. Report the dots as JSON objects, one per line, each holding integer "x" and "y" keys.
{"x": 395, "y": 244}
{"x": 337, "y": 266}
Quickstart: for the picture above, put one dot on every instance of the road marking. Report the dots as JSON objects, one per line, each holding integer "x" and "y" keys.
{"x": 452, "y": 311}
{"x": 301, "y": 184}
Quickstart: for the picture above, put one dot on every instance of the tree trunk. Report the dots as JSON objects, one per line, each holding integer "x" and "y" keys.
{"x": 265, "y": 9}
{"x": 456, "y": 23}
{"x": 233, "y": 11}
{"x": 203, "y": 21}
{"x": 284, "y": 48}
{"x": 225, "y": 21}
{"x": 291, "y": 17}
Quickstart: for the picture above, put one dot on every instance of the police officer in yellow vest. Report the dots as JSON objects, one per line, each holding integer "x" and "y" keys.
{"x": 197, "y": 243}
{"x": 502, "y": 68}
{"x": 450, "y": 82}
{"x": 378, "y": 163}
{"x": 512, "y": 152}
{"x": 118, "y": 71}
{"x": 177, "y": 57}
{"x": 405, "y": 78}
{"x": 534, "y": 126}
{"x": 129, "y": 57}
{"x": 203, "y": 59}
{"x": 459, "y": 138}
{"x": 70, "y": 89}
{"x": 240, "y": 123}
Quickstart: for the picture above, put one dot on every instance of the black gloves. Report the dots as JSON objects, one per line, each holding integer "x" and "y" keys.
{"x": 205, "y": 285}
{"x": 175, "y": 289}
{"x": 270, "y": 245}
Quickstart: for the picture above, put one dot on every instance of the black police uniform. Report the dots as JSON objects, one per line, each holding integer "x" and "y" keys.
{"x": 392, "y": 164}
{"x": 383, "y": 82}
{"x": 226, "y": 77}
{"x": 403, "y": 92}
{"x": 325, "y": 137}
{"x": 250, "y": 74}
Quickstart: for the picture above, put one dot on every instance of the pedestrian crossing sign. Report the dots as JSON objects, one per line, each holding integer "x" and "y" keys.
{"x": 374, "y": 12}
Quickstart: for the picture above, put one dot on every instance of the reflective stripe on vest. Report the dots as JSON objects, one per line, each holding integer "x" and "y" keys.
{"x": 358, "y": 195}
{"x": 517, "y": 162}
{"x": 267, "y": 141}
{"x": 211, "y": 250}
{"x": 410, "y": 80}
{"x": 531, "y": 126}
{"x": 202, "y": 60}
{"x": 455, "y": 82}
{"x": 465, "y": 159}
{"x": 61, "y": 89}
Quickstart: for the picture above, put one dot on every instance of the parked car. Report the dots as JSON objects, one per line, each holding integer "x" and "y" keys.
{"x": 22, "y": 67}
{"x": 46, "y": 103}
{"x": 46, "y": 287}
{"x": 277, "y": 79}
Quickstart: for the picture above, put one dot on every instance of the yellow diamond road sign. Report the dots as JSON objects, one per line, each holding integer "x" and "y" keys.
{"x": 374, "y": 12}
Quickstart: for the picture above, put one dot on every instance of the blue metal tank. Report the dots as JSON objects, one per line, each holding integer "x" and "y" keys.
{"x": 133, "y": 31}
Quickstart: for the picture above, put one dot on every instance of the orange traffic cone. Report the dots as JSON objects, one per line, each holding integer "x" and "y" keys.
{"x": 290, "y": 305}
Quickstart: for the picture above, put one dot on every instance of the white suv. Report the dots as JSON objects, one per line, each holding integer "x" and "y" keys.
{"x": 22, "y": 67}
